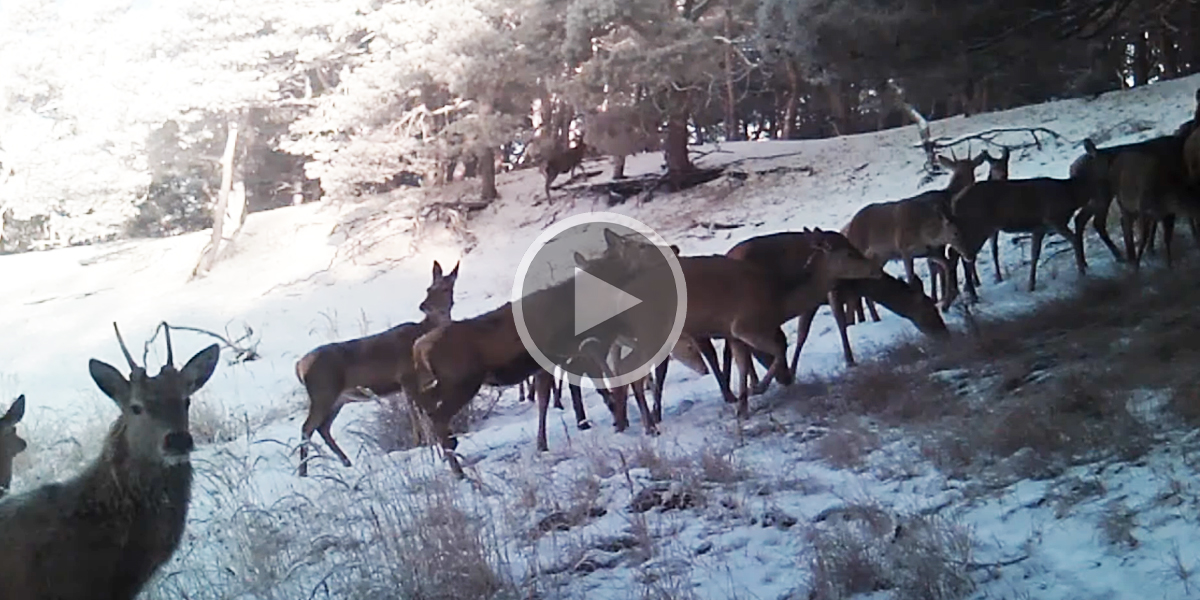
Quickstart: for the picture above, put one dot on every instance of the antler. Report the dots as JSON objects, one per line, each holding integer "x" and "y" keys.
{"x": 129, "y": 357}
{"x": 170, "y": 352}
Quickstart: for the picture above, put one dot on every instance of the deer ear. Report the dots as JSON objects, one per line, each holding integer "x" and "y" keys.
{"x": 453, "y": 276}
{"x": 199, "y": 368}
{"x": 110, "y": 381}
{"x": 437, "y": 270}
{"x": 15, "y": 413}
{"x": 675, "y": 249}
{"x": 945, "y": 162}
{"x": 1089, "y": 146}
{"x": 581, "y": 261}
{"x": 613, "y": 239}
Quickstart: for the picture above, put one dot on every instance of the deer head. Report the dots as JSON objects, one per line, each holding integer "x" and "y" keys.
{"x": 962, "y": 170}
{"x": 155, "y": 409}
{"x": 839, "y": 259}
{"x": 439, "y": 297}
{"x": 11, "y": 444}
{"x": 997, "y": 167}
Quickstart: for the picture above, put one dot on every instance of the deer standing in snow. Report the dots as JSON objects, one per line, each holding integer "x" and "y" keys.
{"x": 104, "y": 533}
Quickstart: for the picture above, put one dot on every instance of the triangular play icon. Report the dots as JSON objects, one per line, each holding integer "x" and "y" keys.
{"x": 596, "y": 301}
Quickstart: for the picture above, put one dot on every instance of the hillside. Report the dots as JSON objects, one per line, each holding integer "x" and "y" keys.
{"x": 753, "y": 513}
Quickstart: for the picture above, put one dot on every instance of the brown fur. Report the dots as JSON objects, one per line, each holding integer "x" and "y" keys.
{"x": 565, "y": 161}
{"x": 1149, "y": 190}
{"x": 1038, "y": 205}
{"x": 11, "y": 444}
{"x": 745, "y": 303}
{"x": 377, "y": 362}
{"x": 461, "y": 357}
{"x": 918, "y": 226}
{"x": 104, "y": 533}
{"x": 1097, "y": 167}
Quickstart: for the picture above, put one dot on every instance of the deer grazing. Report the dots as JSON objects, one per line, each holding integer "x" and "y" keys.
{"x": 1038, "y": 205}
{"x": 564, "y": 161}
{"x": 454, "y": 361}
{"x": 746, "y": 303}
{"x": 332, "y": 374}
{"x": 104, "y": 533}
{"x": 913, "y": 227}
{"x": 785, "y": 254}
{"x": 11, "y": 444}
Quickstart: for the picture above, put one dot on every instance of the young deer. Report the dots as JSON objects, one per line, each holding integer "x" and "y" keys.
{"x": 565, "y": 161}
{"x": 918, "y": 226}
{"x": 333, "y": 373}
{"x": 11, "y": 444}
{"x": 104, "y": 533}
{"x": 456, "y": 360}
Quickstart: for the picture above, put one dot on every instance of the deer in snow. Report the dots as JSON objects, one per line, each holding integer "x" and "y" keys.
{"x": 104, "y": 533}
{"x": 564, "y": 161}
{"x": 1096, "y": 166}
{"x": 922, "y": 225}
{"x": 11, "y": 444}
{"x": 746, "y": 304}
{"x": 1149, "y": 189}
{"x": 454, "y": 361}
{"x": 1037, "y": 205}
{"x": 786, "y": 253}
{"x": 333, "y": 374}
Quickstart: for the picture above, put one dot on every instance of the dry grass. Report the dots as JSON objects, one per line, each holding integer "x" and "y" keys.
{"x": 847, "y": 443}
{"x": 925, "y": 558}
{"x": 1038, "y": 392}
{"x": 1116, "y": 525}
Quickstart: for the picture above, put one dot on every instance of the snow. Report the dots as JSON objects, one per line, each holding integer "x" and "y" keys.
{"x": 311, "y": 274}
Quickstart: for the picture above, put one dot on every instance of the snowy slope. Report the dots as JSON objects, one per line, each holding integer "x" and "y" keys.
{"x": 307, "y": 275}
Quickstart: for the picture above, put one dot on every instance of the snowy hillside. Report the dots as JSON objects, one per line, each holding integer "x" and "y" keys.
{"x": 307, "y": 275}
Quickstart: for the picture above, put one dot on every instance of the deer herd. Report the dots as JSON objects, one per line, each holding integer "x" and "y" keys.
{"x": 113, "y": 525}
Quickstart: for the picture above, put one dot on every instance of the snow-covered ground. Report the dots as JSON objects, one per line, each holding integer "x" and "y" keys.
{"x": 303, "y": 276}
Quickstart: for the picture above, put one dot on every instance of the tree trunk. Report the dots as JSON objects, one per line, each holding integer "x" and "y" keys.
{"x": 837, "y": 107}
{"x": 676, "y": 146}
{"x": 209, "y": 258}
{"x": 1141, "y": 59}
{"x": 793, "y": 102}
{"x": 618, "y": 170}
{"x": 1170, "y": 53}
{"x": 731, "y": 113}
{"x": 471, "y": 167}
{"x": 487, "y": 174}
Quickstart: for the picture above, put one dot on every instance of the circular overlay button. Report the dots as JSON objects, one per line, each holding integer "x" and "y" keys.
{"x": 599, "y": 298}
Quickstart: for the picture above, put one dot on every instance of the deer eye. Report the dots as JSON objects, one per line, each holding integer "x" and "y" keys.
{"x": 136, "y": 409}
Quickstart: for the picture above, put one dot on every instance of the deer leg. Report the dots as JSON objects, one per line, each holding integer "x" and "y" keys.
{"x": 1099, "y": 217}
{"x": 946, "y": 268}
{"x": 639, "y": 395}
{"x": 770, "y": 341}
{"x": 996, "y": 255}
{"x": 556, "y": 393}
{"x": 1035, "y": 252}
{"x": 839, "y": 317}
{"x": 1064, "y": 229}
{"x": 802, "y": 329}
{"x": 742, "y": 353}
{"x": 872, "y": 310}
{"x": 1127, "y": 233}
{"x": 660, "y": 379}
{"x": 581, "y": 420}
{"x": 1139, "y": 250}
{"x": 1151, "y": 233}
{"x": 910, "y": 274}
{"x": 324, "y": 430}
{"x": 1168, "y": 225}
{"x": 1194, "y": 224}
{"x": 543, "y": 383}
{"x": 704, "y": 344}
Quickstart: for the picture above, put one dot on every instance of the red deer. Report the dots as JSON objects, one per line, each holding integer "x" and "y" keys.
{"x": 997, "y": 171}
{"x": 1037, "y": 205}
{"x": 105, "y": 532}
{"x": 1149, "y": 190}
{"x": 1096, "y": 167}
{"x": 746, "y": 304}
{"x": 333, "y": 373}
{"x": 11, "y": 444}
{"x": 455, "y": 360}
{"x": 918, "y": 226}
{"x": 565, "y": 161}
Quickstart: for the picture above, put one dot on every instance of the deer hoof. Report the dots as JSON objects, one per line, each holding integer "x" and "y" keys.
{"x": 346, "y": 462}
{"x": 584, "y": 425}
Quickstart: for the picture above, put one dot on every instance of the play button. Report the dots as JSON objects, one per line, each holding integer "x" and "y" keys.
{"x": 600, "y": 298}
{"x": 604, "y": 301}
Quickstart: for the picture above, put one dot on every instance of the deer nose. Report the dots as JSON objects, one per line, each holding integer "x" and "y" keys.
{"x": 178, "y": 442}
